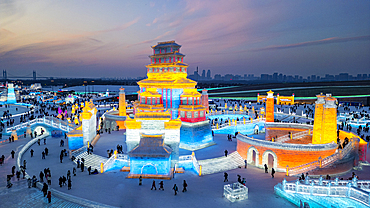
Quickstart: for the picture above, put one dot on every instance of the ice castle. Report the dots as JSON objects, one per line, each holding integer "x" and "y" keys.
{"x": 169, "y": 105}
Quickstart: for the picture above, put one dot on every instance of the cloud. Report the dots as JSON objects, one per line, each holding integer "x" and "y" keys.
{"x": 154, "y": 21}
{"x": 49, "y": 51}
{"x": 10, "y": 11}
{"x": 151, "y": 41}
{"x": 313, "y": 43}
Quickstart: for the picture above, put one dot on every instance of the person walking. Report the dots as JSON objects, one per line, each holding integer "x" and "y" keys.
{"x": 74, "y": 171}
{"x": 46, "y": 151}
{"x": 68, "y": 174}
{"x": 45, "y": 189}
{"x": 245, "y": 164}
{"x": 60, "y": 181}
{"x": 184, "y": 185}
{"x": 78, "y": 163}
{"x": 226, "y": 177}
{"x": 82, "y": 167}
{"x": 161, "y": 186}
{"x": 89, "y": 169}
{"x": 13, "y": 170}
{"x": 49, "y": 179}
{"x": 272, "y": 172}
{"x": 175, "y": 189}
{"x": 12, "y": 152}
{"x": 29, "y": 182}
{"x": 34, "y": 181}
{"x": 140, "y": 181}
{"x": 61, "y": 158}
{"x": 18, "y": 174}
{"x": 41, "y": 177}
{"x": 69, "y": 184}
{"x": 24, "y": 164}
{"x": 153, "y": 186}
{"x": 31, "y": 152}
{"x": 226, "y": 152}
{"x": 266, "y": 168}
{"x": 43, "y": 155}
{"x": 49, "y": 196}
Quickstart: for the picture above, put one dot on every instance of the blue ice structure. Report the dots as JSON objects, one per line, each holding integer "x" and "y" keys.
{"x": 11, "y": 95}
{"x": 194, "y": 136}
{"x": 325, "y": 193}
{"x": 150, "y": 157}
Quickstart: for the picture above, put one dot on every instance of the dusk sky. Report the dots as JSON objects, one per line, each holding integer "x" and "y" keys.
{"x": 90, "y": 38}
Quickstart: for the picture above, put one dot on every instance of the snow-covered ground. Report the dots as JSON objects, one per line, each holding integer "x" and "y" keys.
{"x": 112, "y": 188}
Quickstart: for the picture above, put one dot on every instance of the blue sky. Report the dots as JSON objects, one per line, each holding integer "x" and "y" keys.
{"x": 89, "y": 38}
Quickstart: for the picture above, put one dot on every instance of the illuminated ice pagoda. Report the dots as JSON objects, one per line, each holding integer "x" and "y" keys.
{"x": 168, "y": 101}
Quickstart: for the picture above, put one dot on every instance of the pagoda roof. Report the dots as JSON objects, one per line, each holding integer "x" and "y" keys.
{"x": 150, "y": 92}
{"x": 151, "y": 146}
{"x": 167, "y": 64}
{"x": 190, "y": 93}
{"x": 166, "y": 54}
{"x": 167, "y": 81}
{"x": 165, "y": 44}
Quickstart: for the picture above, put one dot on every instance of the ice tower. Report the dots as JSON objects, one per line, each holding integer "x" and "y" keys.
{"x": 325, "y": 123}
{"x": 169, "y": 100}
{"x": 11, "y": 95}
{"x": 270, "y": 106}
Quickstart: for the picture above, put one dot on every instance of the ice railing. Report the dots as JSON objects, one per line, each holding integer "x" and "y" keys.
{"x": 293, "y": 114}
{"x": 121, "y": 157}
{"x": 236, "y": 123}
{"x": 196, "y": 165}
{"x": 285, "y": 146}
{"x": 27, "y": 146}
{"x": 47, "y": 120}
{"x": 223, "y": 112}
{"x": 289, "y": 125}
{"x": 64, "y": 196}
{"x": 294, "y": 136}
{"x": 320, "y": 163}
{"x": 348, "y": 189}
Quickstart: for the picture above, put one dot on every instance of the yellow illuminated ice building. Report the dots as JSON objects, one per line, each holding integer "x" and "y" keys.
{"x": 169, "y": 104}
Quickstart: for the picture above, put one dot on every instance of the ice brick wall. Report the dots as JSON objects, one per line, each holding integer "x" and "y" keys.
{"x": 149, "y": 165}
{"x": 75, "y": 143}
{"x": 192, "y": 136}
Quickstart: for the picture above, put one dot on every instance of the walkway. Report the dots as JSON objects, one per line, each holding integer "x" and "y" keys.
{"x": 221, "y": 164}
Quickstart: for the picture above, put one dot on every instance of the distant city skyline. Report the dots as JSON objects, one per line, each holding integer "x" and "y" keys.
{"x": 101, "y": 39}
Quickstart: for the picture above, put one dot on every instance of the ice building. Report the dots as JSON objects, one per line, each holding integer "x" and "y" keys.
{"x": 168, "y": 100}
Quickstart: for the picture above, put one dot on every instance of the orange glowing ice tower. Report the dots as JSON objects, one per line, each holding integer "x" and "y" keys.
{"x": 270, "y": 106}
{"x": 204, "y": 99}
{"x": 329, "y": 120}
{"x": 122, "y": 102}
{"x": 317, "y": 126}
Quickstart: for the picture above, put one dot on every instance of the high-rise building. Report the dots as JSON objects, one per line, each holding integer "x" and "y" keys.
{"x": 209, "y": 74}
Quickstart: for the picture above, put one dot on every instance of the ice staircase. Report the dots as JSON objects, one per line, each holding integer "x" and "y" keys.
{"x": 221, "y": 164}
{"x": 91, "y": 160}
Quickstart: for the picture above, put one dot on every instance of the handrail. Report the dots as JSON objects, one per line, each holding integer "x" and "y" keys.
{"x": 237, "y": 123}
{"x": 64, "y": 196}
{"x": 286, "y": 146}
{"x": 348, "y": 189}
{"x": 113, "y": 158}
{"x": 48, "y": 120}
{"x": 340, "y": 154}
{"x": 195, "y": 164}
{"x": 294, "y": 136}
